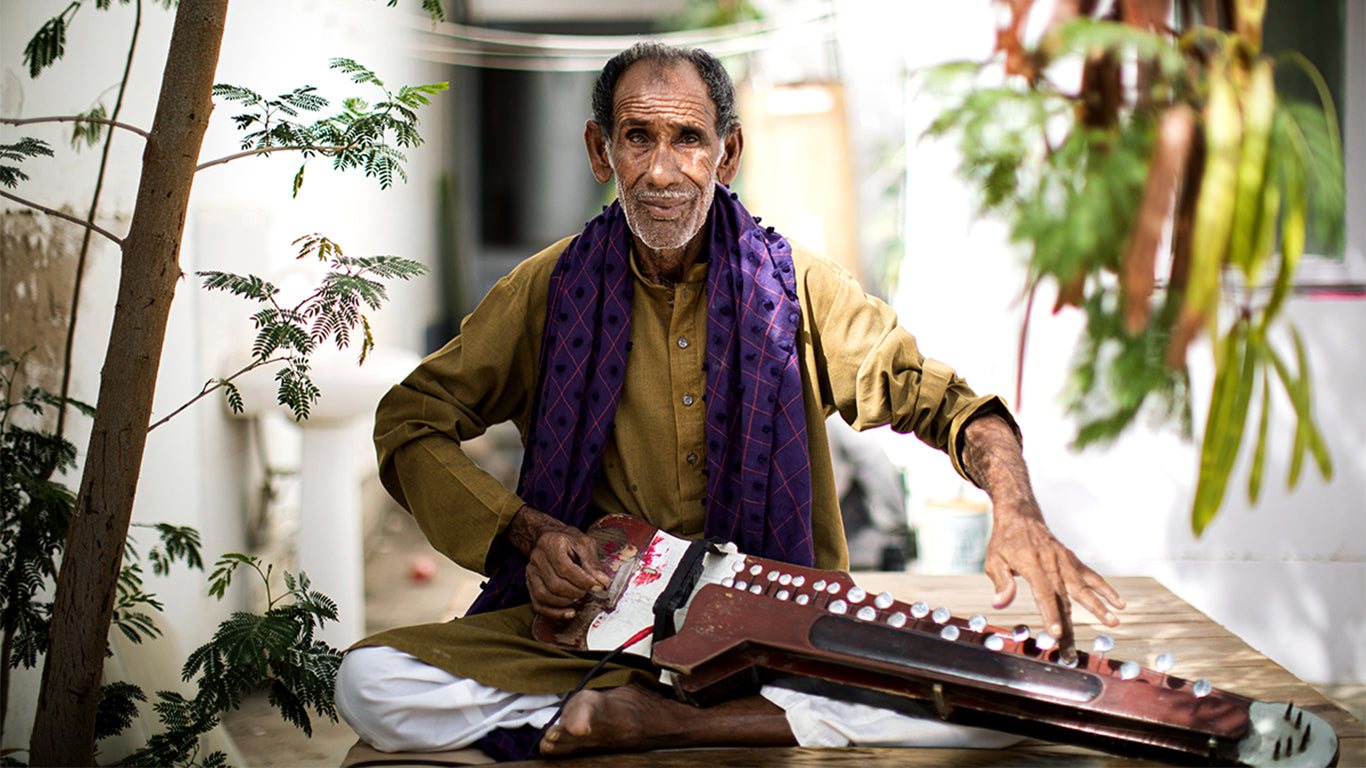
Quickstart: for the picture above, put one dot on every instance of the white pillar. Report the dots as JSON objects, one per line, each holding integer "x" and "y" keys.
{"x": 329, "y": 546}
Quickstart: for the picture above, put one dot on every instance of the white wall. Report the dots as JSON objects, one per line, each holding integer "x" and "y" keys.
{"x": 201, "y": 469}
{"x": 1287, "y": 575}
{"x": 243, "y": 219}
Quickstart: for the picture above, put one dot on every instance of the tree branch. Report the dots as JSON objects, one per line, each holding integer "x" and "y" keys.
{"x": 213, "y": 385}
{"x": 74, "y": 119}
{"x": 54, "y": 212}
{"x": 268, "y": 150}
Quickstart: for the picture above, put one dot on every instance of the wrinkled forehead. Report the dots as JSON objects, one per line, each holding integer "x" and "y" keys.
{"x": 671, "y": 91}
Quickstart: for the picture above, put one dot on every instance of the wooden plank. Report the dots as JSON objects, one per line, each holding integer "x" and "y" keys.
{"x": 853, "y": 757}
{"x": 1155, "y": 622}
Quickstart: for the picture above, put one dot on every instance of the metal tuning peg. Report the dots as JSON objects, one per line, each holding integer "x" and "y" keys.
{"x": 941, "y": 615}
{"x": 977, "y": 623}
{"x": 1129, "y": 670}
{"x": 1020, "y": 633}
{"x": 1164, "y": 663}
{"x": 1102, "y": 645}
{"x": 1045, "y": 641}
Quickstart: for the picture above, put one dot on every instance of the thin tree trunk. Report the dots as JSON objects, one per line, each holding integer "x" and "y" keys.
{"x": 63, "y": 732}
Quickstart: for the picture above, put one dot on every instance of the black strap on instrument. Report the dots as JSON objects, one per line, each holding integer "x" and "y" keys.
{"x": 680, "y": 588}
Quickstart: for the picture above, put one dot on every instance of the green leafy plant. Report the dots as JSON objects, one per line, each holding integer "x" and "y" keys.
{"x": 289, "y": 334}
{"x": 33, "y": 528}
{"x": 37, "y": 513}
{"x": 274, "y": 651}
{"x": 362, "y": 135}
{"x": 25, "y": 148}
{"x": 82, "y": 610}
{"x": 1089, "y": 180}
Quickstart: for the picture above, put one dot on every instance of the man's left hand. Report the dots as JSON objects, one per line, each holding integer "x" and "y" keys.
{"x": 1021, "y": 543}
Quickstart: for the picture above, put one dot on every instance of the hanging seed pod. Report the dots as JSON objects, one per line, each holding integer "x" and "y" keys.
{"x": 1258, "y": 106}
{"x": 1214, "y": 210}
{"x": 1175, "y": 134}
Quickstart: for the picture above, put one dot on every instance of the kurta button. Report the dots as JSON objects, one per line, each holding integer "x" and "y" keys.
{"x": 692, "y": 458}
{"x": 682, "y": 342}
{"x": 687, "y": 399}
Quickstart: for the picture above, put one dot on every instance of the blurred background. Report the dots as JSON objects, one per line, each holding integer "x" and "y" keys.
{"x": 834, "y": 105}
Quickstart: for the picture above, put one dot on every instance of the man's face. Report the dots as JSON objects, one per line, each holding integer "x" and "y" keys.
{"x": 665, "y": 153}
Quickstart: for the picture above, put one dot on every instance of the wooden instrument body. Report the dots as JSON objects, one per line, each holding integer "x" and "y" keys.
{"x": 753, "y": 621}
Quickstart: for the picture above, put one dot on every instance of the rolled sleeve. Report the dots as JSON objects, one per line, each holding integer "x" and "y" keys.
{"x": 979, "y": 406}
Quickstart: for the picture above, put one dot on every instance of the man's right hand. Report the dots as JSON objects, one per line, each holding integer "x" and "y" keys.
{"x": 562, "y": 562}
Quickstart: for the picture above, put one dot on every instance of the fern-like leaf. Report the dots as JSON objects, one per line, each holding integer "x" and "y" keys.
{"x": 25, "y": 148}
{"x": 250, "y": 287}
{"x": 358, "y": 72}
{"x": 230, "y": 92}
{"x": 47, "y": 45}
{"x": 177, "y": 543}
{"x": 248, "y": 638}
{"x": 305, "y": 98}
{"x": 319, "y": 246}
{"x": 296, "y": 391}
{"x": 87, "y": 132}
{"x": 225, "y": 567}
{"x": 117, "y": 708}
{"x": 232, "y": 395}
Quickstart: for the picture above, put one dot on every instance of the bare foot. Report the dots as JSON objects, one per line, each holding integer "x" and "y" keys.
{"x": 633, "y": 718}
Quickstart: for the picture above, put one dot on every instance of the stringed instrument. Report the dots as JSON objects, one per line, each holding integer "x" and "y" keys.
{"x": 719, "y": 624}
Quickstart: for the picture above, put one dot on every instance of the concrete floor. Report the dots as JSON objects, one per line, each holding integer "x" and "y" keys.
{"x": 395, "y": 598}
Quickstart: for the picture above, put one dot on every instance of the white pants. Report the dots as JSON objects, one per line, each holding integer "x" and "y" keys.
{"x": 398, "y": 703}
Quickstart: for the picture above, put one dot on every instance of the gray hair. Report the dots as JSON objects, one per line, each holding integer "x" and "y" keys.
{"x": 719, "y": 86}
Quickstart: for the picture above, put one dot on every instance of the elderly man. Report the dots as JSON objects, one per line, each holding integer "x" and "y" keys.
{"x": 674, "y": 361}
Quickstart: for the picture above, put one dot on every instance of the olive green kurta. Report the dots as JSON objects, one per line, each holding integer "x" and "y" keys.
{"x": 855, "y": 360}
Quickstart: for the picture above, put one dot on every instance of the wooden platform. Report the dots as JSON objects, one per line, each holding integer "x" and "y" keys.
{"x": 1155, "y": 622}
